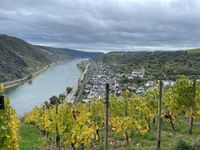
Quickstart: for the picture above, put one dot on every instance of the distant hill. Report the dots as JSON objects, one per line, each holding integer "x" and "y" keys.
{"x": 19, "y": 58}
{"x": 74, "y": 53}
{"x": 81, "y": 54}
{"x": 158, "y": 64}
{"x": 197, "y": 50}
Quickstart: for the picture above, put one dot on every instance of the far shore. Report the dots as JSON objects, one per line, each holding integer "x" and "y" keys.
{"x": 27, "y": 78}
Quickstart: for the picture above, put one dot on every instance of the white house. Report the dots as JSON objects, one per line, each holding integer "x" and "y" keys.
{"x": 138, "y": 73}
{"x": 140, "y": 90}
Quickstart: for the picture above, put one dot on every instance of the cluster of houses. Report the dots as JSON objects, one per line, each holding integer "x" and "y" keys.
{"x": 148, "y": 84}
{"x": 99, "y": 75}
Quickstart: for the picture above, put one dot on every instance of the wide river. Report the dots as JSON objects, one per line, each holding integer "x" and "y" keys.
{"x": 51, "y": 82}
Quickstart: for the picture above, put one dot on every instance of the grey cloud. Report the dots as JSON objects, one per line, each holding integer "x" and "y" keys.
{"x": 103, "y": 24}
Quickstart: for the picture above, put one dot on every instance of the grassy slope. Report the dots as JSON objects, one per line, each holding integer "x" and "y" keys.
{"x": 30, "y": 138}
{"x": 197, "y": 50}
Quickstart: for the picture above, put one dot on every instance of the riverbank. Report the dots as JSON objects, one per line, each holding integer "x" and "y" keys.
{"x": 51, "y": 82}
{"x": 70, "y": 96}
{"x": 29, "y": 77}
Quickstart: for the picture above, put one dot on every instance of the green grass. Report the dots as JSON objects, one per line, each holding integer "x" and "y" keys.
{"x": 197, "y": 50}
{"x": 30, "y": 138}
{"x": 169, "y": 138}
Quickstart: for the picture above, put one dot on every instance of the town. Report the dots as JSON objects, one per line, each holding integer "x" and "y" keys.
{"x": 98, "y": 74}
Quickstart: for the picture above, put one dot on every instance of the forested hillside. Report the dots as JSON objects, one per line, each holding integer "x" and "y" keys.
{"x": 19, "y": 58}
{"x": 81, "y": 54}
{"x": 165, "y": 64}
{"x": 73, "y": 53}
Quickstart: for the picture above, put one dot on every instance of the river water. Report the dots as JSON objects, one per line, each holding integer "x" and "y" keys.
{"x": 51, "y": 82}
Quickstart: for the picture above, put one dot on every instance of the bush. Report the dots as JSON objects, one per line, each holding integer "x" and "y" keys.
{"x": 53, "y": 100}
{"x": 181, "y": 145}
{"x": 68, "y": 89}
{"x": 196, "y": 146}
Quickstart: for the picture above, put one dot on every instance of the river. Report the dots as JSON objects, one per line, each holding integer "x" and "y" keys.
{"x": 51, "y": 82}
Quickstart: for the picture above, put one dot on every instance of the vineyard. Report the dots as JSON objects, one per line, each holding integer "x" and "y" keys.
{"x": 9, "y": 125}
{"x": 81, "y": 125}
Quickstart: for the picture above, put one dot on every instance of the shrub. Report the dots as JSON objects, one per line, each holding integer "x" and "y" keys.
{"x": 181, "y": 145}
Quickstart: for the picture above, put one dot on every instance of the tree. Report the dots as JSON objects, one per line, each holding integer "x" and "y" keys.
{"x": 53, "y": 100}
{"x": 68, "y": 89}
{"x": 46, "y": 104}
{"x": 62, "y": 97}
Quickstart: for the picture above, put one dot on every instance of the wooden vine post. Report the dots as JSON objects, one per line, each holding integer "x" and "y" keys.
{"x": 159, "y": 115}
{"x": 106, "y": 112}
{"x": 57, "y": 134}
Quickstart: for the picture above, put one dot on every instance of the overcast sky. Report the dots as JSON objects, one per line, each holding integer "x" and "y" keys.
{"x": 104, "y": 25}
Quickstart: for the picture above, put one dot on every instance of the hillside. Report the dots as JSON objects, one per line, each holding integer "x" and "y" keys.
{"x": 19, "y": 58}
{"x": 197, "y": 50}
{"x": 81, "y": 54}
{"x": 73, "y": 53}
{"x": 164, "y": 64}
